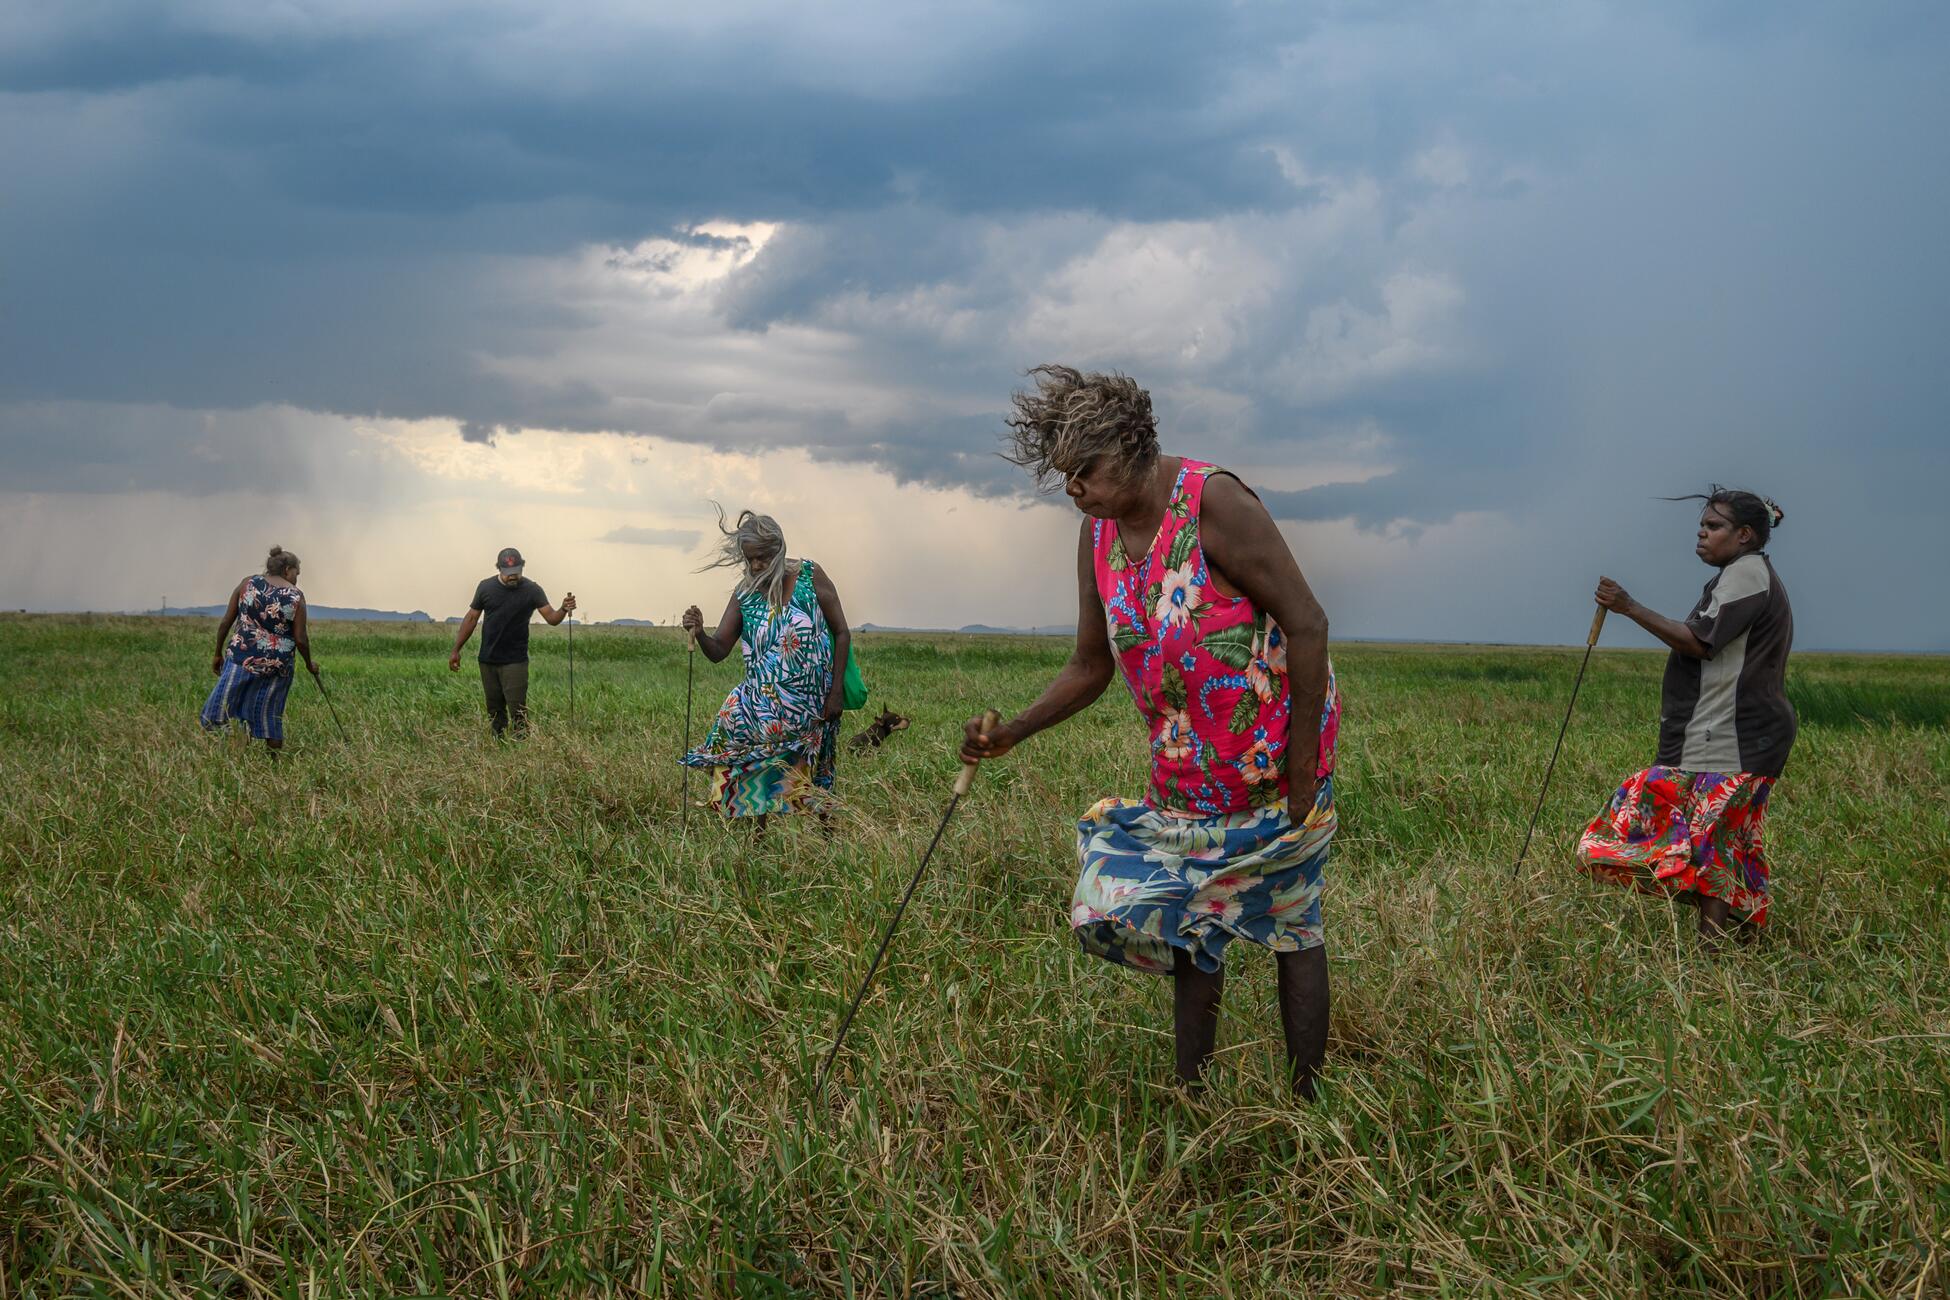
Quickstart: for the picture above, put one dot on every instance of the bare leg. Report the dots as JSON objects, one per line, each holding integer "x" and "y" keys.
{"x": 1712, "y": 922}
{"x": 1303, "y": 1015}
{"x": 1194, "y": 1015}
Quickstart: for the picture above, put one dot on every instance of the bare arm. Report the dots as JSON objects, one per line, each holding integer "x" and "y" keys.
{"x": 224, "y": 625}
{"x": 1674, "y": 633}
{"x": 552, "y": 616}
{"x": 716, "y": 645}
{"x": 1244, "y": 547}
{"x": 1074, "y": 689}
{"x": 829, "y": 605}
{"x": 460, "y": 637}
{"x": 301, "y": 635}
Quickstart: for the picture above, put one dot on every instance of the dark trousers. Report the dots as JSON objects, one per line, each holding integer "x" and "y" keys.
{"x": 507, "y": 694}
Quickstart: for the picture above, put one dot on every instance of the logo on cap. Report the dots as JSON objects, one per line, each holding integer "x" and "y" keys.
{"x": 509, "y": 559}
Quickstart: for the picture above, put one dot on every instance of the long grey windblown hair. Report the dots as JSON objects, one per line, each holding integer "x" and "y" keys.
{"x": 762, "y": 536}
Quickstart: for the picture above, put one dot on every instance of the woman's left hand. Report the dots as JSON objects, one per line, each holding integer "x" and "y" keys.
{"x": 835, "y": 705}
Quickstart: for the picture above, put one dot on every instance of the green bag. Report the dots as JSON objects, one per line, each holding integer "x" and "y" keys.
{"x": 854, "y": 685}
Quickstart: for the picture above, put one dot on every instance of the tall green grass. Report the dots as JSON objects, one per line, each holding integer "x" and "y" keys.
{"x": 420, "y": 1014}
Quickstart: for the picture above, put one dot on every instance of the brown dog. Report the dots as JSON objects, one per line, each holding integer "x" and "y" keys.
{"x": 878, "y": 730}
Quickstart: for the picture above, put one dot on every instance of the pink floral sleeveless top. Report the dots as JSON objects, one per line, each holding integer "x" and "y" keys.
{"x": 1208, "y": 671}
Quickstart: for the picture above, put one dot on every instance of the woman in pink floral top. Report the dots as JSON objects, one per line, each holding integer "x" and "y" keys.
{"x": 1190, "y": 594}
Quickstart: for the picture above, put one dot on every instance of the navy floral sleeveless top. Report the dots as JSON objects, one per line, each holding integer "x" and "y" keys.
{"x": 267, "y": 611}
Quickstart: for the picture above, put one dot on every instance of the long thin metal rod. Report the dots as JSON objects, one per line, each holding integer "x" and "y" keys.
{"x": 846, "y": 1022}
{"x": 1597, "y": 625}
{"x": 572, "y": 672}
{"x": 962, "y": 782}
{"x": 690, "y": 675}
{"x": 320, "y": 681}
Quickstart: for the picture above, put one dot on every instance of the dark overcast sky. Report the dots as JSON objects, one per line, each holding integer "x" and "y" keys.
{"x": 1463, "y": 288}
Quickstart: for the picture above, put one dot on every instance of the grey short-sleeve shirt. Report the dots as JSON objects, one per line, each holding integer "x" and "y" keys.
{"x": 1729, "y": 712}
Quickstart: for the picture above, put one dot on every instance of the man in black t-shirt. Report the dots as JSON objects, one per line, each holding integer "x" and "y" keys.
{"x": 507, "y": 599}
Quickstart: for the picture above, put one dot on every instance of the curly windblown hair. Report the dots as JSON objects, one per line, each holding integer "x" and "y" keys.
{"x": 1073, "y": 418}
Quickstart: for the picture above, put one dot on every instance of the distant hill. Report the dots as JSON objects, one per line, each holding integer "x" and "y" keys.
{"x": 313, "y": 611}
{"x": 370, "y": 615}
{"x": 983, "y": 629}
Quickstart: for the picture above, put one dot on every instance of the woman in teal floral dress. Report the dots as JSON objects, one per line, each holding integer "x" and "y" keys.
{"x": 773, "y": 745}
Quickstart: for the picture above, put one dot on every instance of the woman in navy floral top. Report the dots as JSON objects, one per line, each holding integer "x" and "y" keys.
{"x": 262, "y": 632}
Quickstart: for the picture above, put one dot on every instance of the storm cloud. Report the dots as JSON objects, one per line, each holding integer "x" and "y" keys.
{"x": 1404, "y": 264}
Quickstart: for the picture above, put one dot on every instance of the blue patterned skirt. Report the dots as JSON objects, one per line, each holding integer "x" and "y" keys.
{"x": 256, "y": 698}
{"x": 1152, "y": 882}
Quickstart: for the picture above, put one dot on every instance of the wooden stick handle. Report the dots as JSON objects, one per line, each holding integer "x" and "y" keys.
{"x": 1597, "y": 626}
{"x": 990, "y": 721}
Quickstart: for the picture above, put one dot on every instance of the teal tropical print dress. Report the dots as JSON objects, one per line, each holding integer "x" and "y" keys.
{"x": 1213, "y": 852}
{"x": 770, "y": 750}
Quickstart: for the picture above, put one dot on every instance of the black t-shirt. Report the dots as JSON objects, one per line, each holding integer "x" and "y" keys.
{"x": 504, "y": 618}
{"x": 1730, "y": 713}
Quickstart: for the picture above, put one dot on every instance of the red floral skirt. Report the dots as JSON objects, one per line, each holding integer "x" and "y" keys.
{"x": 1669, "y": 831}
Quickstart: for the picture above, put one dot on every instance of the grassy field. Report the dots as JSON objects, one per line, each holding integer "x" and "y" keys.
{"x": 421, "y": 1015}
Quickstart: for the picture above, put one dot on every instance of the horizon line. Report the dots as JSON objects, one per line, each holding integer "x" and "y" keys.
{"x": 966, "y": 629}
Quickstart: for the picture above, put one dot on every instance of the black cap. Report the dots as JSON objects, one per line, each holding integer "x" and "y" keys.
{"x": 509, "y": 561}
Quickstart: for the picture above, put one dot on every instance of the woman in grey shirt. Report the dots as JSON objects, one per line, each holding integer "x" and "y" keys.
{"x": 1690, "y": 825}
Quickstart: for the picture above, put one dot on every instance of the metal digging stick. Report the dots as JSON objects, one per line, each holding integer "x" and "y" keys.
{"x": 572, "y": 672}
{"x": 990, "y": 720}
{"x": 1597, "y": 625}
{"x": 690, "y": 675}
{"x": 320, "y": 681}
